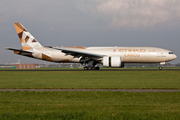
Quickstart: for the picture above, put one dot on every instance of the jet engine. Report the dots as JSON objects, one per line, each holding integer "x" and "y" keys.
{"x": 112, "y": 61}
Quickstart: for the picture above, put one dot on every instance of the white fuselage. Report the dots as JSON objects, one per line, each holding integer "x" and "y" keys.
{"x": 127, "y": 54}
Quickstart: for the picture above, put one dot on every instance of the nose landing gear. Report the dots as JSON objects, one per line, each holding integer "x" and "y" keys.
{"x": 160, "y": 68}
{"x": 160, "y": 65}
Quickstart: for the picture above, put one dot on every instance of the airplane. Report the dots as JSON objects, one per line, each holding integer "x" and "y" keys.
{"x": 90, "y": 57}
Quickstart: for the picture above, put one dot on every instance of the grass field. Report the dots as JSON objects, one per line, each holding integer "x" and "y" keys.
{"x": 89, "y": 105}
{"x": 91, "y": 79}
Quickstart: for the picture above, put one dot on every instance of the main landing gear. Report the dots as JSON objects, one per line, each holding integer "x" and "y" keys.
{"x": 89, "y": 64}
{"x": 91, "y": 68}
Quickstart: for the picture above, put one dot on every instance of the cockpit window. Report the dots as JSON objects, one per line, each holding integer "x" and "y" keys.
{"x": 171, "y": 53}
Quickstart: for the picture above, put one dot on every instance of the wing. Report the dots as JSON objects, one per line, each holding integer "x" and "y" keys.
{"x": 78, "y": 53}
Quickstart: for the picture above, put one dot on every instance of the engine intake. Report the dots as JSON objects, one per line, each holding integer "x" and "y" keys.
{"x": 112, "y": 61}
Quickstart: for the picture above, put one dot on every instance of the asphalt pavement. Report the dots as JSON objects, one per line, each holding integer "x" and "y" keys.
{"x": 90, "y": 70}
{"x": 101, "y": 90}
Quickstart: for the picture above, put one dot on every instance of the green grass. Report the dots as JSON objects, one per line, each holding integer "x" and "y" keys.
{"x": 89, "y": 105}
{"x": 91, "y": 79}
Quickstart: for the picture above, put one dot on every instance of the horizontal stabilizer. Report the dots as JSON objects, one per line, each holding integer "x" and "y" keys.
{"x": 19, "y": 51}
{"x": 48, "y": 46}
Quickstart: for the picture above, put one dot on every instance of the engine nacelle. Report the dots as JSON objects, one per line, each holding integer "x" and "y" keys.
{"x": 112, "y": 61}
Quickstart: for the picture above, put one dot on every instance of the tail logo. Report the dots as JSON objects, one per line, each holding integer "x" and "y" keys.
{"x": 27, "y": 40}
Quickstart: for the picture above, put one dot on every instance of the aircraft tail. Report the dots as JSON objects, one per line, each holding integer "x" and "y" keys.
{"x": 26, "y": 39}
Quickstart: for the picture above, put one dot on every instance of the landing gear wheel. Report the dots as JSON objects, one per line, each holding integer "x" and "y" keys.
{"x": 96, "y": 68}
{"x": 89, "y": 68}
{"x": 160, "y": 68}
{"x": 86, "y": 68}
{"x": 93, "y": 68}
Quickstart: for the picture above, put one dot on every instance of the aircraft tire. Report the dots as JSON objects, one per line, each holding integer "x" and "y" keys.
{"x": 96, "y": 68}
{"x": 93, "y": 68}
{"x": 86, "y": 68}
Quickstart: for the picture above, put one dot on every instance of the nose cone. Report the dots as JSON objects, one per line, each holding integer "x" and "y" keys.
{"x": 175, "y": 56}
{"x": 172, "y": 57}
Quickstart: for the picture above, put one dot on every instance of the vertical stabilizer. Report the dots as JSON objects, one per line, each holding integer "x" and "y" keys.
{"x": 26, "y": 39}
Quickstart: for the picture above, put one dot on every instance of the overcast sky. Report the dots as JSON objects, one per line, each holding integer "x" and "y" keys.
{"x": 151, "y": 23}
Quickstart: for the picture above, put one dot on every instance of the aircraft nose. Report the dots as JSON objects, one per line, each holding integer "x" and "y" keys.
{"x": 172, "y": 57}
{"x": 175, "y": 56}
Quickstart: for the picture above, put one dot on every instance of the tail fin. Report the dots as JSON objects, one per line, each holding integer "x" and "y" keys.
{"x": 27, "y": 40}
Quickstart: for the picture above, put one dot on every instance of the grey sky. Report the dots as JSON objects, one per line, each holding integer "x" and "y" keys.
{"x": 153, "y": 23}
